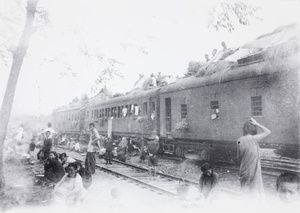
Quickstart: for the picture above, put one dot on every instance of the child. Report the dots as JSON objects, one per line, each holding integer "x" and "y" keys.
{"x": 208, "y": 180}
{"x": 31, "y": 148}
{"x": 288, "y": 187}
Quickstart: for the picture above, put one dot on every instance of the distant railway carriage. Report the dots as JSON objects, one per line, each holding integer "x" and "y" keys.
{"x": 67, "y": 119}
{"x": 133, "y": 114}
{"x": 201, "y": 117}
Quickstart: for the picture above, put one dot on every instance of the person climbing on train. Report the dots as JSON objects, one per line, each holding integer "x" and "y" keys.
{"x": 90, "y": 160}
{"x": 208, "y": 180}
{"x": 249, "y": 158}
{"x": 108, "y": 150}
{"x": 153, "y": 147}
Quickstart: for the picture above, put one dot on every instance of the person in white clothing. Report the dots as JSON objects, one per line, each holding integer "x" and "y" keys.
{"x": 19, "y": 135}
{"x": 70, "y": 188}
{"x": 52, "y": 131}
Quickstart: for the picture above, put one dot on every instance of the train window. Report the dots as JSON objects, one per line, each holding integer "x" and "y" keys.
{"x": 215, "y": 112}
{"x": 108, "y": 112}
{"x": 136, "y": 110}
{"x": 153, "y": 107}
{"x": 125, "y": 111}
{"x": 118, "y": 112}
{"x": 256, "y": 105}
{"x": 115, "y": 112}
{"x": 112, "y": 112}
{"x": 121, "y": 111}
{"x": 129, "y": 110}
{"x": 145, "y": 108}
{"x": 183, "y": 111}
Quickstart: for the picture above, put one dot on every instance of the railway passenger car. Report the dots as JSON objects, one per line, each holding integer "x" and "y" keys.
{"x": 201, "y": 117}
{"x": 67, "y": 119}
{"x": 131, "y": 115}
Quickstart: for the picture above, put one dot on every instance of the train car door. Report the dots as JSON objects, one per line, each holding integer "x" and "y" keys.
{"x": 168, "y": 115}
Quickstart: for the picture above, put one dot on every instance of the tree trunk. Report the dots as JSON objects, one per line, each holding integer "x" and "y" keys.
{"x": 18, "y": 57}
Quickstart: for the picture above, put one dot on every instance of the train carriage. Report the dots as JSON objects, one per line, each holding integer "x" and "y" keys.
{"x": 68, "y": 119}
{"x": 133, "y": 114}
{"x": 202, "y": 117}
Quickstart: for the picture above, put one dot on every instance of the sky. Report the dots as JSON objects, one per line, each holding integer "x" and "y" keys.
{"x": 143, "y": 36}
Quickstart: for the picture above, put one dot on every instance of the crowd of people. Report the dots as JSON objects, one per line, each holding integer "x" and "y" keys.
{"x": 248, "y": 155}
{"x": 70, "y": 178}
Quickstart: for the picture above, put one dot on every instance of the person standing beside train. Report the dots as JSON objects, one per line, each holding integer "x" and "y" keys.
{"x": 153, "y": 147}
{"x": 90, "y": 160}
{"x": 249, "y": 158}
{"x": 108, "y": 150}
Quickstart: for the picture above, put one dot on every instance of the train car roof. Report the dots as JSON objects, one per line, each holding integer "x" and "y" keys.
{"x": 68, "y": 108}
{"x": 250, "y": 60}
{"x": 135, "y": 94}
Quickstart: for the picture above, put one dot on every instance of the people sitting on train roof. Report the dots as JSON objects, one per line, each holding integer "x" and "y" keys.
{"x": 208, "y": 180}
{"x": 66, "y": 160}
{"x": 69, "y": 189}
{"x": 54, "y": 170}
{"x": 288, "y": 187}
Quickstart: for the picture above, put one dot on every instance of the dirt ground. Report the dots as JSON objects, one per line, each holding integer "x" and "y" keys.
{"x": 23, "y": 194}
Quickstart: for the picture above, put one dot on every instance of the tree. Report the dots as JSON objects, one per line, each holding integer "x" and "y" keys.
{"x": 18, "y": 57}
{"x": 228, "y": 14}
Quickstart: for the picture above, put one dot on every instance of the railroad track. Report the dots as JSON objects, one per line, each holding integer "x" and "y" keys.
{"x": 281, "y": 165}
{"x": 162, "y": 183}
{"x": 270, "y": 166}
